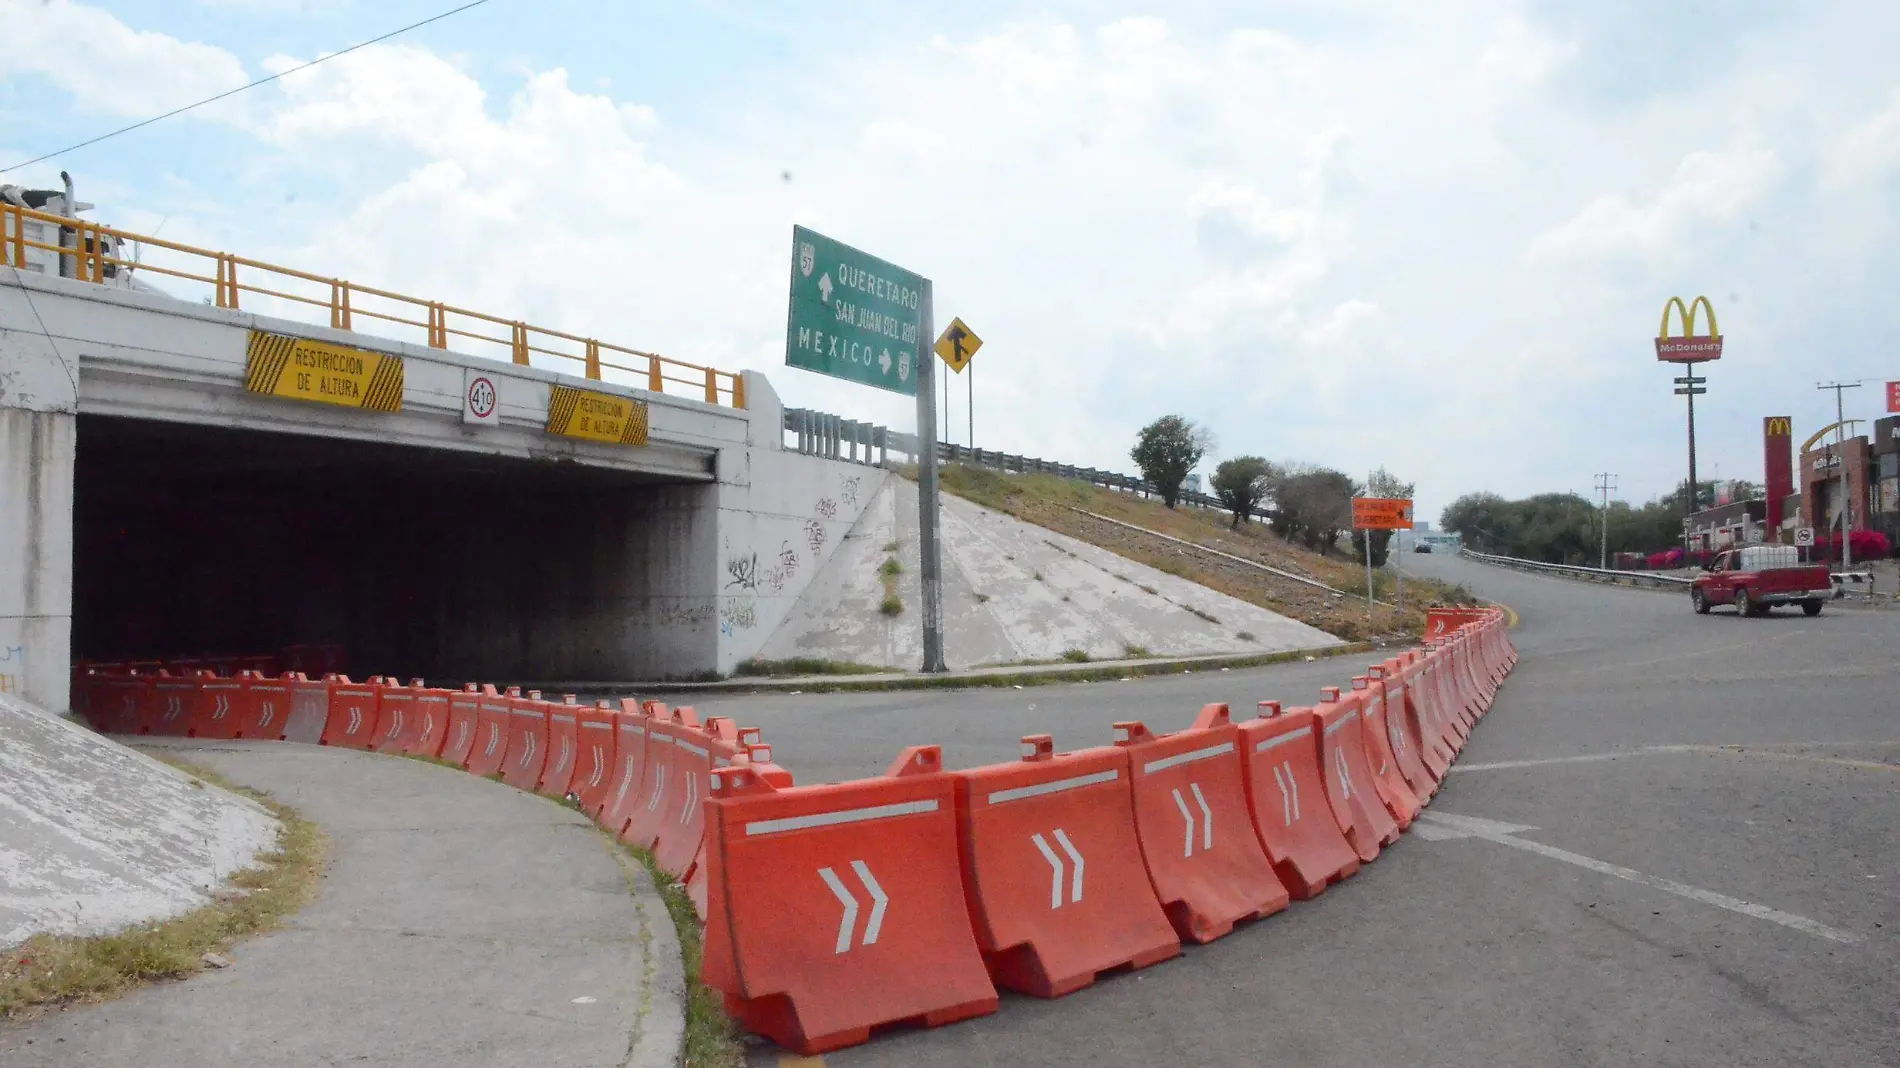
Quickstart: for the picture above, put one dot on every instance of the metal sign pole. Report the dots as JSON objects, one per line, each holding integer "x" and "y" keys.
{"x": 1368, "y": 537}
{"x": 928, "y": 550}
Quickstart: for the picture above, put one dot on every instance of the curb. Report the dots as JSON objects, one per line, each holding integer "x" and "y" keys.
{"x": 980, "y": 678}
{"x": 659, "y": 1032}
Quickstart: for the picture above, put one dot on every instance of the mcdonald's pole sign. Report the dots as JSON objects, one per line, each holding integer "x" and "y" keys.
{"x": 1691, "y": 347}
{"x": 1777, "y": 435}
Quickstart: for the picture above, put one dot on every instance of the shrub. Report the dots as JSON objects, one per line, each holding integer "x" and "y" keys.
{"x": 1075, "y": 656}
{"x": 892, "y": 605}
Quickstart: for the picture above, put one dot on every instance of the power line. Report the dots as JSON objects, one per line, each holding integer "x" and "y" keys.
{"x": 233, "y": 92}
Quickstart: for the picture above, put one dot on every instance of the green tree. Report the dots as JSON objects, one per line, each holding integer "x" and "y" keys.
{"x": 1167, "y": 450}
{"x": 1313, "y": 505}
{"x": 1241, "y": 484}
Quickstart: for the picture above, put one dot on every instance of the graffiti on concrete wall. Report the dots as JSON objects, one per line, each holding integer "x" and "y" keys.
{"x": 743, "y": 571}
{"x": 815, "y": 536}
{"x": 737, "y": 614}
{"x": 848, "y": 490}
{"x": 783, "y": 571}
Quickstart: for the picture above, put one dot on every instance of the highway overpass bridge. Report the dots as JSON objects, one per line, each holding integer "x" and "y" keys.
{"x": 185, "y": 477}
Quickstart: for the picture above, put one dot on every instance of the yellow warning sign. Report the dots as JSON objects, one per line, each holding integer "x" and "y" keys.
{"x": 957, "y": 344}
{"x": 285, "y": 366}
{"x": 582, "y": 413}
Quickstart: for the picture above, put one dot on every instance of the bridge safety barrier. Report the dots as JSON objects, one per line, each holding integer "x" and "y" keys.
{"x": 832, "y": 910}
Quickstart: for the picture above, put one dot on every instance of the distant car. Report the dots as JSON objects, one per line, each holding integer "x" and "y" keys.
{"x": 1422, "y": 547}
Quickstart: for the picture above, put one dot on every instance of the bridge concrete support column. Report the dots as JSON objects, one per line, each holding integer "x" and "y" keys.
{"x": 38, "y": 434}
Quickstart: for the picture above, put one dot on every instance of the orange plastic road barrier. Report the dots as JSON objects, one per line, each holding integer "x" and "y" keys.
{"x": 630, "y": 765}
{"x": 397, "y": 720}
{"x": 1471, "y": 652}
{"x": 1467, "y": 702}
{"x": 352, "y": 720}
{"x": 527, "y": 739}
{"x": 432, "y": 732}
{"x": 1443, "y": 694}
{"x": 1434, "y": 750}
{"x": 1285, "y": 794}
{"x": 1448, "y": 708}
{"x": 465, "y": 708}
{"x": 214, "y": 713}
{"x": 694, "y": 753}
{"x": 490, "y": 748}
{"x": 1401, "y": 732}
{"x": 1382, "y": 755}
{"x": 663, "y": 787}
{"x": 1441, "y": 620}
{"x": 563, "y": 746}
{"x": 758, "y": 758}
{"x": 595, "y": 733}
{"x": 309, "y": 708}
{"x": 127, "y": 699}
{"x": 835, "y": 909}
{"x": 1203, "y": 857}
{"x": 1053, "y": 870}
{"x": 1348, "y": 776}
{"x": 264, "y": 707}
{"x": 173, "y": 704}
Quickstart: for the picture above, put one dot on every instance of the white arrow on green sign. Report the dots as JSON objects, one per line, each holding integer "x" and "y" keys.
{"x": 853, "y": 316}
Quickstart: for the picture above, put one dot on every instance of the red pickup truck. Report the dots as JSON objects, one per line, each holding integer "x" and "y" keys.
{"x": 1756, "y": 578}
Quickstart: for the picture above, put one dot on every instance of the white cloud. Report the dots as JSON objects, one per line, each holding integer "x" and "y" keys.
{"x": 1870, "y": 150}
{"x": 1520, "y": 55}
{"x": 1707, "y": 187}
{"x": 106, "y": 65}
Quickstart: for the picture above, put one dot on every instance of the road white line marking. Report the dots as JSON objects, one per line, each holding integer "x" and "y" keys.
{"x": 1443, "y": 826}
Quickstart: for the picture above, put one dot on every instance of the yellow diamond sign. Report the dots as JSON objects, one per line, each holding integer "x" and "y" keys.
{"x": 957, "y": 344}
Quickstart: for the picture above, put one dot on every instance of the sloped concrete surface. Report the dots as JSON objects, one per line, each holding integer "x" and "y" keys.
{"x": 95, "y": 837}
{"x": 460, "y": 922}
{"x": 1013, "y": 592}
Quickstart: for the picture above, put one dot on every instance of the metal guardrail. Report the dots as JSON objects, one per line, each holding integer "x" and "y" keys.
{"x": 838, "y": 438}
{"x": 89, "y": 251}
{"x": 1587, "y": 574}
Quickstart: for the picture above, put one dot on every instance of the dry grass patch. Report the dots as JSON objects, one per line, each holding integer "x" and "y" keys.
{"x": 52, "y": 971}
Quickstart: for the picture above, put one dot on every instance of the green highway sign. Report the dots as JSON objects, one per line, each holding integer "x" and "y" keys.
{"x": 853, "y": 316}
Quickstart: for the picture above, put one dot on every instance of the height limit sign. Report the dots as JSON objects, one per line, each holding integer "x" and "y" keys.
{"x": 853, "y": 316}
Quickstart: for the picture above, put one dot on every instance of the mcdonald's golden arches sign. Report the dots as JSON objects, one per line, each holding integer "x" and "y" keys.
{"x": 1691, "y": 347}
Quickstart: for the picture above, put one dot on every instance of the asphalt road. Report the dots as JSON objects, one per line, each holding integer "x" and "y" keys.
{"x": 1690, "y": 857}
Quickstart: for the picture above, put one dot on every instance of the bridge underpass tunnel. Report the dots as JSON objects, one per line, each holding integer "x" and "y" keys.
{"x": 198, "y": 540}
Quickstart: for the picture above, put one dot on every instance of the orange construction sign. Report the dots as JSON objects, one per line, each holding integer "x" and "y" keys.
{"x": 1381, "y": 513}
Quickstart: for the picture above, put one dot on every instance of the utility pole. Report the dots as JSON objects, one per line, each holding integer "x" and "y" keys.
{"x": 1840, "y": 457}
{"x": 1604, "y": 486}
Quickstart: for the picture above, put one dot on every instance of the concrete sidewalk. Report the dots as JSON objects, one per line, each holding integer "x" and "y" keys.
{"x": 460, "y": 923}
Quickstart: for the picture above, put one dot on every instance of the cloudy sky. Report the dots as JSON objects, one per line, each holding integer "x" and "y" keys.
{"x": 1435, "y": 237}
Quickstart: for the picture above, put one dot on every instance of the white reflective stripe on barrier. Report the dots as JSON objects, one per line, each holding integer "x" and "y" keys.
{"x": 1002, "y": 797}
{"x": 1274, "y": 743}
{"x": 830, "y": 819}
{"x": 1343, "y": 720}
{"x": 1190, "y": 757}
